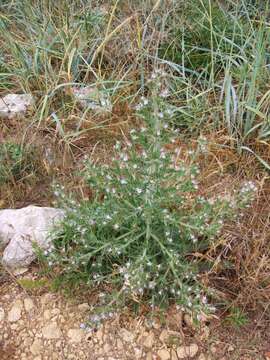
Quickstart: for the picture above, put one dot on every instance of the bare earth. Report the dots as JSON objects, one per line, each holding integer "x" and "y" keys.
{"x": 47, "y": 326}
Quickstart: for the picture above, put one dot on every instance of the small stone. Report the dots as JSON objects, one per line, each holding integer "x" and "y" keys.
{"x": 62, "y": 319}
{"x": 119, "y": 344}
{"x": 126, "y": 335}
{"x": 45, "y": 299}
{"x": 51, "y": 331}
{"x": 75, "y": 335}
{"x": 202, "y": 357}
{"x": 187, "y": 351}
{"x": 163, "y": 337}
{"x": 27, "y": 342}
{"x": 231, "y": 348}
{"x": 83, "y": 307}
{"x": 149, "y": 340}
{"x": 14, "y": 326}
{"x": 99, "y": 335}
{"x": 47, "y": 314}
{"x": 149, "y": 356}
{"x": 106, "y": 348}
{"x": 56, "y": 311}
{"x": 213, "y": 348}
{"x": 164, "y": 354}
{"x": 2, "y": 314}
{"x": 36, "y": 347}
{"x": 173, "y": 355}
{"x": 28, "y": 304}
{"x": 16, "y": 312}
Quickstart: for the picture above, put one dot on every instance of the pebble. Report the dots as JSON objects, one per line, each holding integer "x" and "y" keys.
{"x": 202, "y": 357}
{"x": 45, "y": 299}
{"x": 164, "y": 354}
{"x": 83, "y": 307}
{"x": 126, "y": 335}
{"x": 187, "y": 351}
{"x": 16, "y": 312}
{"x": 51, "y": 331}
{"x": 28, "y": 304}
{"x": 163, "y": 337}
{"x": 36, "y": 347}
{"x": 47, "y": 314}
{"x": 2, "y": 314}
{"x": 75, "y": 335}
{"x": 149, "y": 340}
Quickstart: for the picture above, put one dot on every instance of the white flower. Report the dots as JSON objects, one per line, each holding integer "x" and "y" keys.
{"x": 169, "y": 112}
{"x": 138, "y": 107}
{"x": 204, "y": 300}
{"x": 144, "y": 101}
{"x": 163, "y": 155}
{"x": 164, "y": 93}
{"x": 160, "y": 115}
{"x": 117, "y": 145}
{"x": 116, "y": 226}
{"x": 139, "y": 191}
{"x": 123, "y": 181}
{"x": 143, "y": 129}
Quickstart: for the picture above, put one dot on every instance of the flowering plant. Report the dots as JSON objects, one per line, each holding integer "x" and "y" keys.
{"x": 145, "y": 220}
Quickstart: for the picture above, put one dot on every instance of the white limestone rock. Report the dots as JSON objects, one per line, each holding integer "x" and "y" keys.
{"x": 15, "y": 105}
{"x": 90, "y": 97}
{"x": 21, "y": 228}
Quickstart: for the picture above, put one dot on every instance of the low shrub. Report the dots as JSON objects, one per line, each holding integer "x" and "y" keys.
{"x": 137, "y": 235}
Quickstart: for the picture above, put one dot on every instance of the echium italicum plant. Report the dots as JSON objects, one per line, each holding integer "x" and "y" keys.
{"x": 136, "y": 236}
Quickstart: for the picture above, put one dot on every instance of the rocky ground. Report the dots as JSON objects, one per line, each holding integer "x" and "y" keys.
{"x": 50, "y": 326}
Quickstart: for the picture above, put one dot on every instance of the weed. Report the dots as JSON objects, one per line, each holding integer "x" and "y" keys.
{"x": 14, "y": 162}
{"x": 138, "y": 232}
{"x": 33, "y": 285}
{"x": 237, "y": 318}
